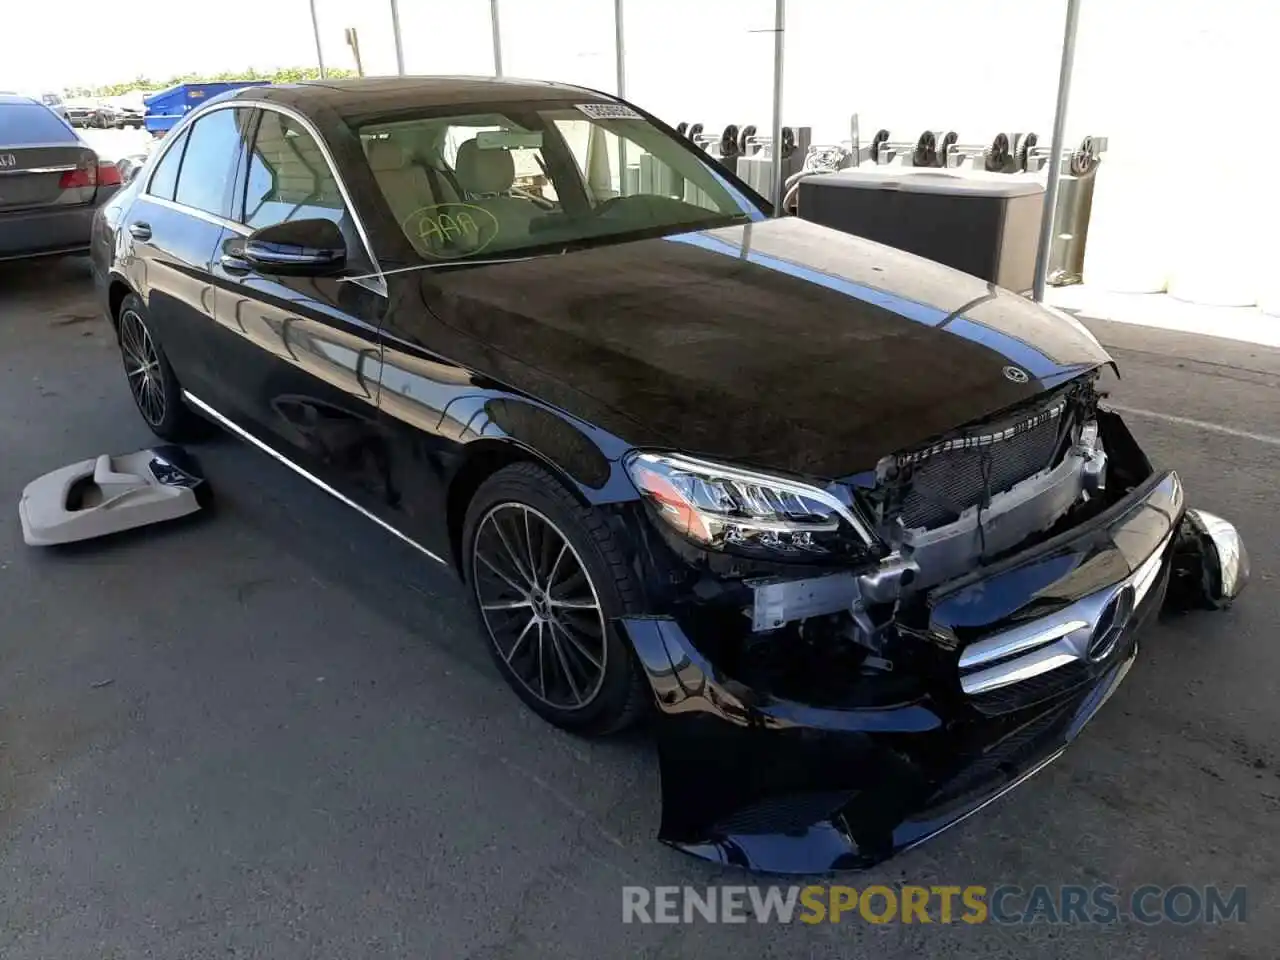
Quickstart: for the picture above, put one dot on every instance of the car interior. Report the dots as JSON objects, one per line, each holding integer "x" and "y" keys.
{"x": 461, "y": 185}
{"x": 423, "y": 168}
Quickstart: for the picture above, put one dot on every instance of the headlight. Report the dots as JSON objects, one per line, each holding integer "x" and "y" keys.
{"x": 721, "y": 507}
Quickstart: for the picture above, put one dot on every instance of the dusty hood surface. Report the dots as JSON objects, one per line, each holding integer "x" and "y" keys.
{"x": 781, "y": 344}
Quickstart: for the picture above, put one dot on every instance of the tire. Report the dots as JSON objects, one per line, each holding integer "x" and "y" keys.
{"x": 150, "y": 378}
{"x": 611, "y": 691}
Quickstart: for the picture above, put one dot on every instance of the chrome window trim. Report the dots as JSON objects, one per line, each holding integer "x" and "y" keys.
{"x": 376, "y": 281}
{"x": 153, "y": 163}
{"x": 199, "y": 214}
{"x": 204, "y": 408}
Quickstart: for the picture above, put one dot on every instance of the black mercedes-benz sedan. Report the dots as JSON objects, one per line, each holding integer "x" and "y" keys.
{"x": 857, "y": 530}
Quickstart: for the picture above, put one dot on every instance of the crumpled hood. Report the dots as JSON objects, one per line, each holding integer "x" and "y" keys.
{"x": 781, "y": 344}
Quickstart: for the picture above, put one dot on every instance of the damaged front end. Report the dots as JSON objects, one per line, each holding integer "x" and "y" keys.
{"x": 888, "y": 677}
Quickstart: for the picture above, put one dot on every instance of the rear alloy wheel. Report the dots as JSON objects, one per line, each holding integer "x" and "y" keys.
{"x": 547, "y": 578}
{"x": 152, "y": 384}
{"x": 142, "y": 368}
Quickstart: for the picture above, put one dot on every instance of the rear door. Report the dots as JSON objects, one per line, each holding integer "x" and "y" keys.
{"x": 301, "y": 354}
{"x": 174, "y": 227}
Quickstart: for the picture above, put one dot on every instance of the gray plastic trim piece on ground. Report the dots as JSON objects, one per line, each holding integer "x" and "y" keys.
{"x": 108, "y": 494}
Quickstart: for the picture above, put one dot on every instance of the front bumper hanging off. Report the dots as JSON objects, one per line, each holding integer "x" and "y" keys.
{"x": 784, "y": 787}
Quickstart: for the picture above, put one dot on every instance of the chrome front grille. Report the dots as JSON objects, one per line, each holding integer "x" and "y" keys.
{"x": 1086, "y": 632}
{"x": 952, "y": 476}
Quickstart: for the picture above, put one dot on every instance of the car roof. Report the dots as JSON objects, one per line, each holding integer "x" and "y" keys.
{"x": 18, "y": 98}
{"x": 374, "y": 95}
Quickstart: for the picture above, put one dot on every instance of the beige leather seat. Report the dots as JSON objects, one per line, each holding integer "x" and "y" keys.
{"x": 404, "y": 185}
{"x": 426, "y": 148}
{"x": 486, "y": 177}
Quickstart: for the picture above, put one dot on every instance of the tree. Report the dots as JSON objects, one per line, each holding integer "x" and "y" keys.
{"x": 144, "y": 84}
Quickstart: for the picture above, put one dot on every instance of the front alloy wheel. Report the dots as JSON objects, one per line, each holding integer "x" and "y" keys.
{"x": 549, "y": 578}
{"x": 539, "y": 605}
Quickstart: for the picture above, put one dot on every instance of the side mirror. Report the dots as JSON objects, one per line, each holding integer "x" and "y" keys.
{"x": 297, "y": 248}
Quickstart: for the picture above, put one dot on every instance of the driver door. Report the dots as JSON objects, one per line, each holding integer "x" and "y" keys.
{"x": 301, "y": 354}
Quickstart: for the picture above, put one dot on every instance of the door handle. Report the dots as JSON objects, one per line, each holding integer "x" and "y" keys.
{"x": 233, "y": 264}
{"x": 140, "y": 231}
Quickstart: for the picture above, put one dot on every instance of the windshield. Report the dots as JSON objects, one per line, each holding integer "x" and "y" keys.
{"x": 520, "y": 179}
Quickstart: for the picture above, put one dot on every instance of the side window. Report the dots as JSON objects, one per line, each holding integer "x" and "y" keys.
{"x": 207, "y": 165}
{"x": 288, "y": 177}
{"x": 165, "y": 179}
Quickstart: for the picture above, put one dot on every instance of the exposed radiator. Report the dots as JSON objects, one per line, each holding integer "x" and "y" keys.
{"x": 948, "y": 478}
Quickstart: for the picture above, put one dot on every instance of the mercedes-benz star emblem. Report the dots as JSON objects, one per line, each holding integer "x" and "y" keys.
{"x": 1111, "y": 625}
{"x": 1016, "y": 374}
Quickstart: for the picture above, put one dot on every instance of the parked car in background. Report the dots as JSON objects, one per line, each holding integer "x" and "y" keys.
{"x": 51, "y": 182}
{"x": 105, "y": 116}
{"x": 859, "y": 528}
{"x": 129, "y": 111}
{"x": 54, "y": 102}
{"x": 80, "y": 113}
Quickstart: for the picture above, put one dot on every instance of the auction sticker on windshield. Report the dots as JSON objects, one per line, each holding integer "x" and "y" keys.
{"x": 608, "y": 111}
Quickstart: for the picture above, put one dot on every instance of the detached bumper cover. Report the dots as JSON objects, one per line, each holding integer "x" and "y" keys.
{"x": 783, "y": 787}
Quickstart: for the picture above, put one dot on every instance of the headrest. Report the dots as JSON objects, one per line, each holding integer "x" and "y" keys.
{"x": 385, "y": 155}
{"x": 484, "y": 171}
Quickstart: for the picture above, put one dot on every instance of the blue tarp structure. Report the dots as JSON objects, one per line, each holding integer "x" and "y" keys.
{"x": 167, "y": 107}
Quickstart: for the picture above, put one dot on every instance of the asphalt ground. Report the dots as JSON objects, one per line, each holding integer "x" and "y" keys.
{"x": 274, "y": 731}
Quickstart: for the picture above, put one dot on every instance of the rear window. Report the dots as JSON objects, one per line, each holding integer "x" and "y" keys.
{"x": 22, "y": 124}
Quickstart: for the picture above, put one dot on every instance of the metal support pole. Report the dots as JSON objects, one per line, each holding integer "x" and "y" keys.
{"x": 497, "y": 38}
{"x": 620, "y": 56}
{"x": 353, "y": 41}
{"x": 315, "y": 27}
{"x": 1055, "y": 150}
{"x": 779, "y": 35}
{"x": 395, "y": 32}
